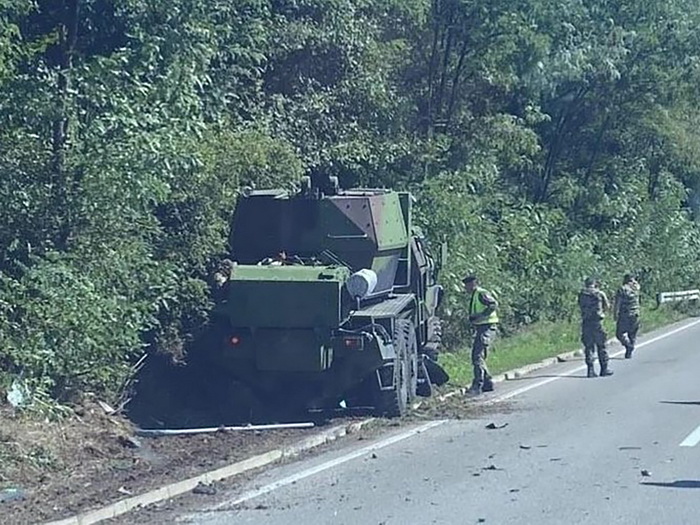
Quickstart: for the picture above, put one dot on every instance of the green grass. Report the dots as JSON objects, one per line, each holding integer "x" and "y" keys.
{"x": 540, "y": 341}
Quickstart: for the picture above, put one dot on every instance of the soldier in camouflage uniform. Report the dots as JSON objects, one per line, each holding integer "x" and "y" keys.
{"x": 593, "y": 303}
{"x": 626, "y": 313}
{"x": 482, "y": 308}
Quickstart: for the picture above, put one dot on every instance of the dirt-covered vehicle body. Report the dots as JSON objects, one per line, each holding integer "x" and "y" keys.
{"x": 330, "y": 298}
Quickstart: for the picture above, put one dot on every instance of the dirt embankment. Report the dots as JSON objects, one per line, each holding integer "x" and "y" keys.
{"x": 53, "y": 470}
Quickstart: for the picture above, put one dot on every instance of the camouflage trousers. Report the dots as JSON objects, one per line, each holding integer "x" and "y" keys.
{"x": 626, "y": 330}
{"x": 593, "y": 338}
{"x": 483, "y": 339}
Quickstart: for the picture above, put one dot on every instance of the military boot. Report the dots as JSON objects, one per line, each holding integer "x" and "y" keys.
{"x": 604, "y": 370}
{"x": 488, "y": 385}
{"x": 474, "y": 391}
{"x": 591, "y": 371}
{"x": 628, "y": 351}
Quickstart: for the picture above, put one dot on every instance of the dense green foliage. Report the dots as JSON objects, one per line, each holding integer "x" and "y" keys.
{"x": 545, "y": 140}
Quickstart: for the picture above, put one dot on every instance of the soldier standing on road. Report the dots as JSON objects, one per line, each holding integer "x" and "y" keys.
{"x": 626, "y": 313}
{"x": 593, "y": 303}
{"x": 482, "y": 308}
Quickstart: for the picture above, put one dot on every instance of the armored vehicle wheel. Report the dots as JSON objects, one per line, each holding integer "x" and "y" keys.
{"x": 395, "y": 402}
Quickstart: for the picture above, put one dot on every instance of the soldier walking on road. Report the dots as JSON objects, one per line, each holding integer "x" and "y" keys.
{"x": 626, "y": 313}
{"x": 482, "y": 308}
{"x": 593, "y": 303}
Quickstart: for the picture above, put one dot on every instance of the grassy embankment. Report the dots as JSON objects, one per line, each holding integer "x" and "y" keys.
{"x": 541, "y": 341}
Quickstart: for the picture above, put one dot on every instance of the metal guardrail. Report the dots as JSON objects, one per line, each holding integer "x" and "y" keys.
{"x": 685, "y": 295}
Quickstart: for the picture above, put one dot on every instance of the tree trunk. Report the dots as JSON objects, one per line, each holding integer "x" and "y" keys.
{"x": 68, "y": 34}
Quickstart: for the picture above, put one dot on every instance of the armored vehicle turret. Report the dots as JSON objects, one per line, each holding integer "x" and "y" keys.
{"x": 329, "y": 298}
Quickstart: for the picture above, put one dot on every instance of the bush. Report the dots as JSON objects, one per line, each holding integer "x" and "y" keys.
{"x": 71, "y": 325}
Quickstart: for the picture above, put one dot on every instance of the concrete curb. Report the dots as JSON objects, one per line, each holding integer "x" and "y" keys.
{"x": 180, "y": 487}
{"x": 559, "y": 358}
{"x": 523, "y": 370}
{"x": 517, "y": 373}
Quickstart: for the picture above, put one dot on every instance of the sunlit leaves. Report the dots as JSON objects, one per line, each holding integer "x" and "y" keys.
{"x": 545, "y": 140}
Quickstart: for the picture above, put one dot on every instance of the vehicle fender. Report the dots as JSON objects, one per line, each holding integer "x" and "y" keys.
{"x": 386, "y": 349}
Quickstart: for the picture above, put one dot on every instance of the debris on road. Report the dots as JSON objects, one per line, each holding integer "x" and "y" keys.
{"x": 107, "y": 408}
{"x": 207, "y": 490}
{"x": 129, "y": 441}
{"x": 645, "y": 473}
{"x": 11, "y": 494}
{"x": 525, "y": 447}
{"x": 494, "y": 426}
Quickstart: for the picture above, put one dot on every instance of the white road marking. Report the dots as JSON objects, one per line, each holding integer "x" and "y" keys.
{"x": 246, "y": 496}
{"x": 522, "y": 390}
{"x": 266, "y": 489}
{"x": 692, "y": 439}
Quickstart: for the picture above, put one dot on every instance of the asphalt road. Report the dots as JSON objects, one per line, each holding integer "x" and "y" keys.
{"x": 619, "y": 449}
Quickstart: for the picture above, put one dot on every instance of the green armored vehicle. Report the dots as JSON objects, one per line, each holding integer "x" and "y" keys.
{"x": 329, "y": 299}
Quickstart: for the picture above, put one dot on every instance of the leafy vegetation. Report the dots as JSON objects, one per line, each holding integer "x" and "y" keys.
{"x": 545, "y": 140}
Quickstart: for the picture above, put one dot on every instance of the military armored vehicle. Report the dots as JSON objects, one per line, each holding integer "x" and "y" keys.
{"x": 329, "y": 299}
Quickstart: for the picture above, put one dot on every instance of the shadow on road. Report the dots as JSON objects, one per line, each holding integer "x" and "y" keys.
{"x": 678, "y": 484}
{"x": 680, "y": 402}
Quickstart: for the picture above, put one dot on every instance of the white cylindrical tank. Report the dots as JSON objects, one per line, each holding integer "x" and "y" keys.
{"x": 362, "y": 283}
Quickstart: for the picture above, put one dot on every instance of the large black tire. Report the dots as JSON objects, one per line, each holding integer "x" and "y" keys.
{"x": 396, "y": 401}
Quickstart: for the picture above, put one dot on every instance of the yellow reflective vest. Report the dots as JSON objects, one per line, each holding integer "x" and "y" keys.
{"x": 477, "y": 307}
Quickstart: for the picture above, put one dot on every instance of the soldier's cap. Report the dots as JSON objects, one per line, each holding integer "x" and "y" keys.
{"x": 469, "y": 279}
{"x": 589, "y": 281}
{"x": 628, "y": 278}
